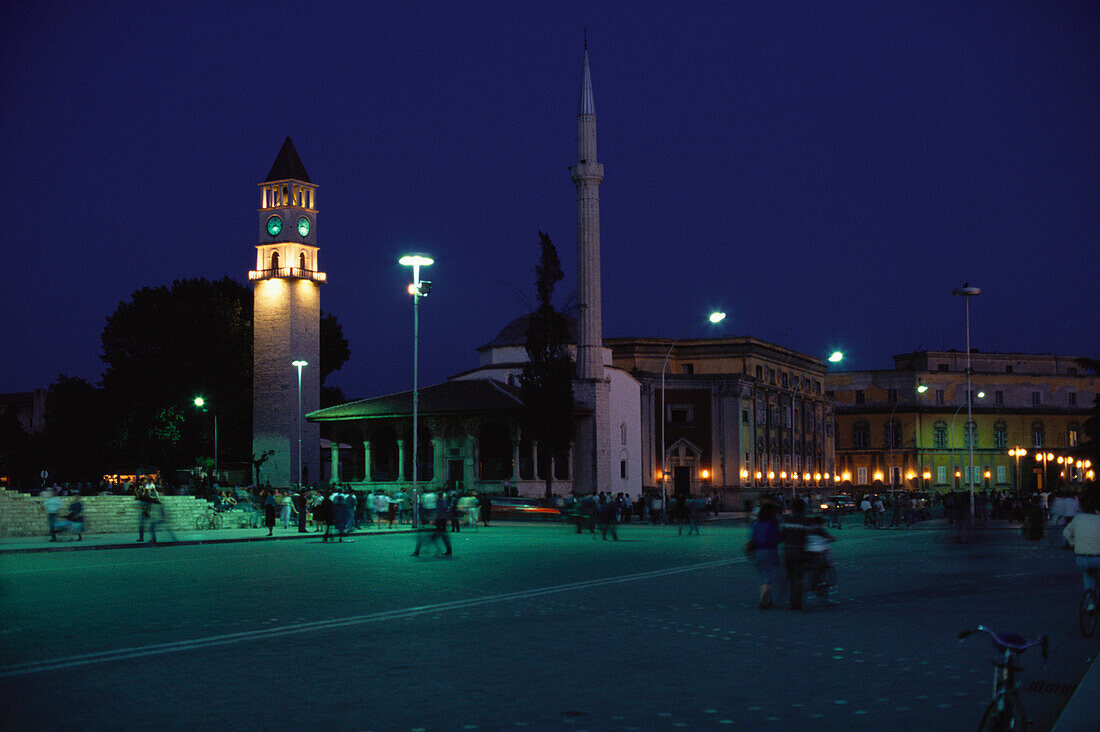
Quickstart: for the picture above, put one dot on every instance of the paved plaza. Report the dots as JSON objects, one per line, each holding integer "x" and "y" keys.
{"x": 527, "y": 627}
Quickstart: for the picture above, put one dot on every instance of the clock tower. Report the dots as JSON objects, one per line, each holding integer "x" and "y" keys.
{"x": 286, "y": 324}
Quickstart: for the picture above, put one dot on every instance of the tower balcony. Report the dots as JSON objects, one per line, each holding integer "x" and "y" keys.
{"x": 290, "y": 272}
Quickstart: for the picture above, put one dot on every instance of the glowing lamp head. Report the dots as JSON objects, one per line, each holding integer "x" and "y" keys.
{"x": 921, "y": 388}
{"x": 836, "y": 357}
{"x": 199, "y": 401}
{"x": 716, "y": 317}
{"x": 704, "y": 474}
{"x": 981, "y": 395}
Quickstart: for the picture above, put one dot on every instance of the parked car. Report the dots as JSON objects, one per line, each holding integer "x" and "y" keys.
{"x": 845, "y": 501}
{"x": 524, "y": 509}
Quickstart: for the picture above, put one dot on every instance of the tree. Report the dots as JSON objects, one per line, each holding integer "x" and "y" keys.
{"x": 76, "y": 424}
{"x": 334, "y": 354}
{"x": 546, "y": 385}
{"x": 167, "y": 345}
{"x": 16, "y": 451}
{"x": 1090, "y": 447}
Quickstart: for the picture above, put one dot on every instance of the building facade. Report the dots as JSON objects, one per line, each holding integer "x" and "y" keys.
{"x": 740, "y": 415}
{"x": 286, "y": 325}
{"x": 907, "y": 427}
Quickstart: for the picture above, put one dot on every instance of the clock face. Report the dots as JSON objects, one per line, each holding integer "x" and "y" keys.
{"x": 274, "y": 225}
{"x": 303, "y": 226}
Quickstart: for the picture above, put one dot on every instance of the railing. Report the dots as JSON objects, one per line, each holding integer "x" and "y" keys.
{"x": 296, "y": 272}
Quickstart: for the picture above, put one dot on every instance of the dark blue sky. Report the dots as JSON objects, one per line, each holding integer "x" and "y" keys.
{"x": 826, "y": 172}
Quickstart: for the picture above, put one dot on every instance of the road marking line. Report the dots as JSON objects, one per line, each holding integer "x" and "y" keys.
{"x": 121, "y": 654}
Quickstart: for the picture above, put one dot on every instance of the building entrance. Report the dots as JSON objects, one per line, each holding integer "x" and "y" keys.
{"x": 681, "y": 480}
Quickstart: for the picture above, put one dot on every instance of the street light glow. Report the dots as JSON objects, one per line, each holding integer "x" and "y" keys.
{"x": 836, "y": 357}
{"x": 199, "y": 401}
{"x": 922, "y": 388}
{"x": 299, "y": 364}
{"x": 717, "y": 317}
{"x": 416, "y": 260}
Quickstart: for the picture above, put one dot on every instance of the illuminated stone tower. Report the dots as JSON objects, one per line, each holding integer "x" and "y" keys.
{"x": 592, "y": 462}
{"x": 286, "y": 320}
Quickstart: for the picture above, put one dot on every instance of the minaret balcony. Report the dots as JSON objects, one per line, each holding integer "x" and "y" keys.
{"x": 286, "y": 272}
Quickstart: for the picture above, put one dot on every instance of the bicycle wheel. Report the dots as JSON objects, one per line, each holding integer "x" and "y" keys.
{"x": 1010, "y": 719}
{"x": 216, "y": 521}
{"x": 1087, "y": 616}
{"x": 201, "y": 522}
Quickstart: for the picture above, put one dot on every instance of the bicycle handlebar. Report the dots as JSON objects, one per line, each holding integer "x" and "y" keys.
{"x": 1009, "y": 641}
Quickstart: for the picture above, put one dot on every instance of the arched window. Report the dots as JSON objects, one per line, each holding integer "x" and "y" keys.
{"x": 1073, "y": 434}
{"x": 274, "y": 260}
{"x": 302, "y": 260}
{"x": 622, "y": 433}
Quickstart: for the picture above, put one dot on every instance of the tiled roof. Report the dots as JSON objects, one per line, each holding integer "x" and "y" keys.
{"x": 288, "y": 165}
{"x": 452, "y": 397}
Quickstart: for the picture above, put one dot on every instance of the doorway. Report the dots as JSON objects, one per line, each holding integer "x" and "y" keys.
{"x": 681, "y": 480}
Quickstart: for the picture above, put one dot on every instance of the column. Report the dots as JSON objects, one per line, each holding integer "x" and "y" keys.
{"x": 515, "y": 457}
{"x": 400, "y": 460}
{"x": 335, "y": 452}
{"x": 366, "y": 461}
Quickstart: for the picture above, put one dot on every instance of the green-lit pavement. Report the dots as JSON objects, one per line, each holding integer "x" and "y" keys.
{"x": 527, "y": 626}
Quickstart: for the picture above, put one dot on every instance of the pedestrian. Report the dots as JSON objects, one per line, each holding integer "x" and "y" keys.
{"x": 52, "y": 507}
{"x": 818, "y": 557}
{"x": 323, "y": 514}
{"x": 285, "y": 504}
{"x": 485, "y": 506}
{"x": 351, "y": 503}
{"x": 880, "y": 512}
{"x": 145, "y": 514}
{"x": 764, "y": 547}
{"x": 1083, "y": 534}
{"x": 269, "y": 513}
{"x": 439, "y": 514}
{"x": 695, "y": 509}
{"x": 794, "y": 550}
{"x": 867, "y": 508}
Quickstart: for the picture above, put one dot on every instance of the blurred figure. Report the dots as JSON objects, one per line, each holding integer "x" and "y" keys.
{"x": 350, "y": 504}
{"x": 52, "y": 507}
{"x": 269, "y": 513}
{"x": 435, "y": 510}
{"x": 323, "y": 514}
{"x": 794, "y": 533}
{"x": 284, "y": 501}
{"x": 764, "y": 547}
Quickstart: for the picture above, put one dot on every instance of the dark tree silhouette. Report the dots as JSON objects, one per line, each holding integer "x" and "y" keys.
{"x": 547, "y": 381}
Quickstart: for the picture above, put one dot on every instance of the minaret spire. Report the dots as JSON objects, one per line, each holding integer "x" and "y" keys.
{"x": 592, "y": 467}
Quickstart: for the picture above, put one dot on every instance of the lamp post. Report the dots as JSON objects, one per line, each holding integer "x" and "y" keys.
{"x": 1017, "y": 452}
{"x": 1044, "y": 456}
{"x": 951, "y": 432}
{"x": 714, "y": 318}
{"x": 966, "y": 292}
{"x": 418, "y": 289}
{"x": 201, "y": 404}
{"x": 834, "y": 357}
{"x": 299, "y": 364}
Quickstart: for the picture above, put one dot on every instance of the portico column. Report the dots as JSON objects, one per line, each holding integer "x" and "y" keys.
{"x": 334, "y": 446}
{"x": 438, "y": 467}
{"x": 401, "y": 460}
{"x": 535, "y": 457}
{"x": 366, "y": 461}
{"x": 515, "y": 458}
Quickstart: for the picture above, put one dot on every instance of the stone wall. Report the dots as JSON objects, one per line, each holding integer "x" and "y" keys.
{"x": 23, "y": 515}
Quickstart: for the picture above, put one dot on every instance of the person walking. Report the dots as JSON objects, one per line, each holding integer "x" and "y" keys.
{"x": 269, "y": 513}
{"x": 764, "y": 547}
{"x": 323, "y": 514}
{"x": 283, "y": 501}
{"x": 793, "y": 534}
{"x": 52, "y": 507}
{"x": 1083, "y": 534}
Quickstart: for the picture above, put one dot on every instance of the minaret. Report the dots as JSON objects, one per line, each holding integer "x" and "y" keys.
{"x": 286, "y": 323}
{"x": 592, "y": 467}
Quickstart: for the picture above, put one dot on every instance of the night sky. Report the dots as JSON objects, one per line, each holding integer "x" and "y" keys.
{"x": 825, "y": 173}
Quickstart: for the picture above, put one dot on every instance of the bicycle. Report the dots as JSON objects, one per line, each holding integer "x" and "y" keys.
{"x": 208, "y": 519}
{"x": 1005, "y": 711}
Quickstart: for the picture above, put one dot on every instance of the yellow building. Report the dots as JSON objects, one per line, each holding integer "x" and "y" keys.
{"x": 908, "y": 427}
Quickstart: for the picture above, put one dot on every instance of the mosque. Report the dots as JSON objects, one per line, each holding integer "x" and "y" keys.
{"x": 723, "y": 405}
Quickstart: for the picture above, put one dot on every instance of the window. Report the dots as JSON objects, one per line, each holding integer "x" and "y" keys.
{"x": 1038, "y": 434}
{"x": 687, "y": 368}
{"x": 622, "y": 434}
{"x": 861, "y": 476}
{"x": 786, "y": 383}
{"x": 970, "y": 431}
{"x": 941, "y": 367}
{"x": 861, "y": 435}
{"x": 861, "y": 397}
{"x": 274, "y": 260}
{"x": 787, "y": 416}
{"x": 1008, "y": 369}
{"x": 302, "y": 260}
{"x": 1000, "y": 434}
{"x": 1071, "y": 371}
{"x": 622, "y": 469}
{"x": 830, "y": 394}
{"x": 1001, "y": 474}
{"x": 941, "y": 474}
{"x": 760, "y": 372}
{"x": 1036, "y": 398}
{"x": 744, "y": 416}
{"x": 892, "y": 396}
{"x": 1073, "y": 434}
{"x": 681, "y": 413}
{"x": 891, "y": 434}
{"x": 999, "y": 398}
{"x": 939, "y": 396}
{"x": 939, "y": 434}
{"x": 761, "y": 413}
{"x": 1073, "y": 399}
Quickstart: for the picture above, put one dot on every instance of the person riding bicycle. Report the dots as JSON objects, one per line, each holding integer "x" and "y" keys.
{"x": 1083, "y": 534}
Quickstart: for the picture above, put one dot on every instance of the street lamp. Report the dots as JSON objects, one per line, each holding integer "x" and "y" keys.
{"x": 1017, "y": 452}
{"x": 201, "y": 404}
{"x": 1044, "y": 456}
{"x": 714, "y": 318}
{"x": 418, "y": 289}
{"x": 299, "y": 364}
{"x": 951, "y": 433}
{"x": 966, "y": 292}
